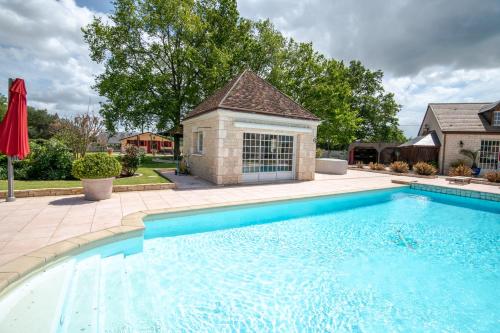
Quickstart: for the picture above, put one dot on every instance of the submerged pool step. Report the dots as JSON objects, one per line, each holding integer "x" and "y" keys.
{"x": 80, "y": 312}
{"x": 113, "y": 299}
{"x": 140, "y": 289}
{"x": 26, "y": 309}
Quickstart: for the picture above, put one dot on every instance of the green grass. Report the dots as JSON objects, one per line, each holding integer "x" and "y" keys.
{"x": 148, "y": 176}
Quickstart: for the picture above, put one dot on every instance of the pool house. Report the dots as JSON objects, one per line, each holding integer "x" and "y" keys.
{"x": 249, "y": 131}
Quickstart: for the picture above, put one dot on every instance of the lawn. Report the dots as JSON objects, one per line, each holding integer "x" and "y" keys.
{"x": 146, "y": 171}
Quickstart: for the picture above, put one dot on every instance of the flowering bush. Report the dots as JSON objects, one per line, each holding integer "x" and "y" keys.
{"x": 131, "y": 160}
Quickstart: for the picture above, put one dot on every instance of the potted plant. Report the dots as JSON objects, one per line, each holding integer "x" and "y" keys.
{"x": 472, "y": 154}
{"x": 97, "y": 172}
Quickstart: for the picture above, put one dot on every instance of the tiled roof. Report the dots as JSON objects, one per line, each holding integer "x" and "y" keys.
{"x": 463, "y": 117}
{"x": 249, "y": 93}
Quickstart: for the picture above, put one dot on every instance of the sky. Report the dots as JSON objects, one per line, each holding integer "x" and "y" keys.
{"x": 429, "y": 50}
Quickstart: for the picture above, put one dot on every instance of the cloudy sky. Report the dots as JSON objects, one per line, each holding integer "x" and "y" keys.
{"x": 429, "y": 50}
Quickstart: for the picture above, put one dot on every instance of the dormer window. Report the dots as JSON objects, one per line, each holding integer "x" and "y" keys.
{"x": 496, "y": 118}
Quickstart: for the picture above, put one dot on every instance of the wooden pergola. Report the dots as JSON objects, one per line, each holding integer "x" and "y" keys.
{"x": 379, "y": 147}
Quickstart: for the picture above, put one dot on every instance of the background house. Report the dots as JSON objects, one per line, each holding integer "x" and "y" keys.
{"x": 248, "y": 131}
{"x": 472, "y": 126}
{"x": 148, "y": 141}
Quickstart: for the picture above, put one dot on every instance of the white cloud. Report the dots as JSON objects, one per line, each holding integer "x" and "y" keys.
{"x": 442, "y": 56}
{"x": 41, "y": 42}
{"x": 441, "y": 85}
{"x": 441, "y": 51}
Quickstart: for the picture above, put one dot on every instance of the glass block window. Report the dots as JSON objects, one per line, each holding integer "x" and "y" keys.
{"x": 496, "y": 118}
{"x": 267, "y": 152}
{"x": 489, "y": 154}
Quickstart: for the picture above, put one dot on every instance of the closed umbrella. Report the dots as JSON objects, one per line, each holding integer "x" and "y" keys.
{"x": 14, "y": 130}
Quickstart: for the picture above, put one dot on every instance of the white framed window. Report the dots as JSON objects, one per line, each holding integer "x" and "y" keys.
{"x": 496, "y": 118}
{"x": 489, "y": 154}
{"x": 198, "y": 142}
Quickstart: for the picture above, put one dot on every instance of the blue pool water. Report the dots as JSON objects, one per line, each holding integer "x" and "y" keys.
{"x": 385, "y": 261}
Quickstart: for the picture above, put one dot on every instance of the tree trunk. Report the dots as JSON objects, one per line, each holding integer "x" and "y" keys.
{"x": 177, "y": 148}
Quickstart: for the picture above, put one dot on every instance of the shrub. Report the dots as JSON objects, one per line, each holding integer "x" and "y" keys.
{"x": 359, "y": 165}
{"x": 457, "y": 163}
{"x": 460, "y": 170}
{"x": 493, "y": 176}
{"x": 131, "y": 160}
{"x": 399, "y": 167}
{"x": 3, "y": 167}
{"x": 48, "y": 160}
{"x": 20, "y": 169}
{"x": 376, "y": 166}
{"x": 319, "y": 152}
{"x": 422, "y": 168}
{"x": 95, "y": 166}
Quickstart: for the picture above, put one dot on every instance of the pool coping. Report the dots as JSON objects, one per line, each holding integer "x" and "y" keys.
{"x": 132, "y": 225}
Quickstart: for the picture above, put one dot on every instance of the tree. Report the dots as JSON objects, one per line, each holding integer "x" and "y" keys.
{"x": 39, "y": 123}
{"x": 39, "y": 120}
{"x": 162, "y": 58}
{"x": 3, "y": 106}
{"x": 321, "y": 86}
{"x": 79, "y": 132}
{"x": 377, "y": 109}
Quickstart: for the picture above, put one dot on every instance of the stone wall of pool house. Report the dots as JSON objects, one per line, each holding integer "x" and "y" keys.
{"x": 202, "y": 164}
{"x": 305, "y": 156}
{"x": 221, "y": 159}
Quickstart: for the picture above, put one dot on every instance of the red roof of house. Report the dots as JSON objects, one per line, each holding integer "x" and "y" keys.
{"x": 250, "y": 93}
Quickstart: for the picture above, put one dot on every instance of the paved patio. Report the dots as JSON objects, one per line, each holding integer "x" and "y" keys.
{"x": 31, "y": 223}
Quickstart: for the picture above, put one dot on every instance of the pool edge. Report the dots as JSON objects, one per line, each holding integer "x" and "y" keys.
{"x": 131, "y": 225}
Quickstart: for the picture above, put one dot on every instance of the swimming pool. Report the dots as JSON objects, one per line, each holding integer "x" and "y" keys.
{"x": 385, "y": 261}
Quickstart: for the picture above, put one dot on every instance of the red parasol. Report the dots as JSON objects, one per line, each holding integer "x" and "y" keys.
{"x": 14, "y": 127}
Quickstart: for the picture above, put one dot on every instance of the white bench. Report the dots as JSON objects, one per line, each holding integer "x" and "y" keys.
{"x": 459, "y": 180}
{"x": 331, "y": 166}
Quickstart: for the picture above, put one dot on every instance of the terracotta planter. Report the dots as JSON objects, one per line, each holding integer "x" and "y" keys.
{"x": 97, "y": 189}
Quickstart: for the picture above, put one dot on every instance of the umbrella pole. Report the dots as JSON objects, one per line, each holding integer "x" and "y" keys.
{"x": 10, "y": 167}
{"x": 10, "y": 180}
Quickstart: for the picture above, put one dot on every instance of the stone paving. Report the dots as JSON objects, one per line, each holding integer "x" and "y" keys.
{"x": 31, "y": 223}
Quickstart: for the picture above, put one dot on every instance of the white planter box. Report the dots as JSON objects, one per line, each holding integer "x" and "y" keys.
{"x": 331, "y": 166}
{"x": 97, "y": 189}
